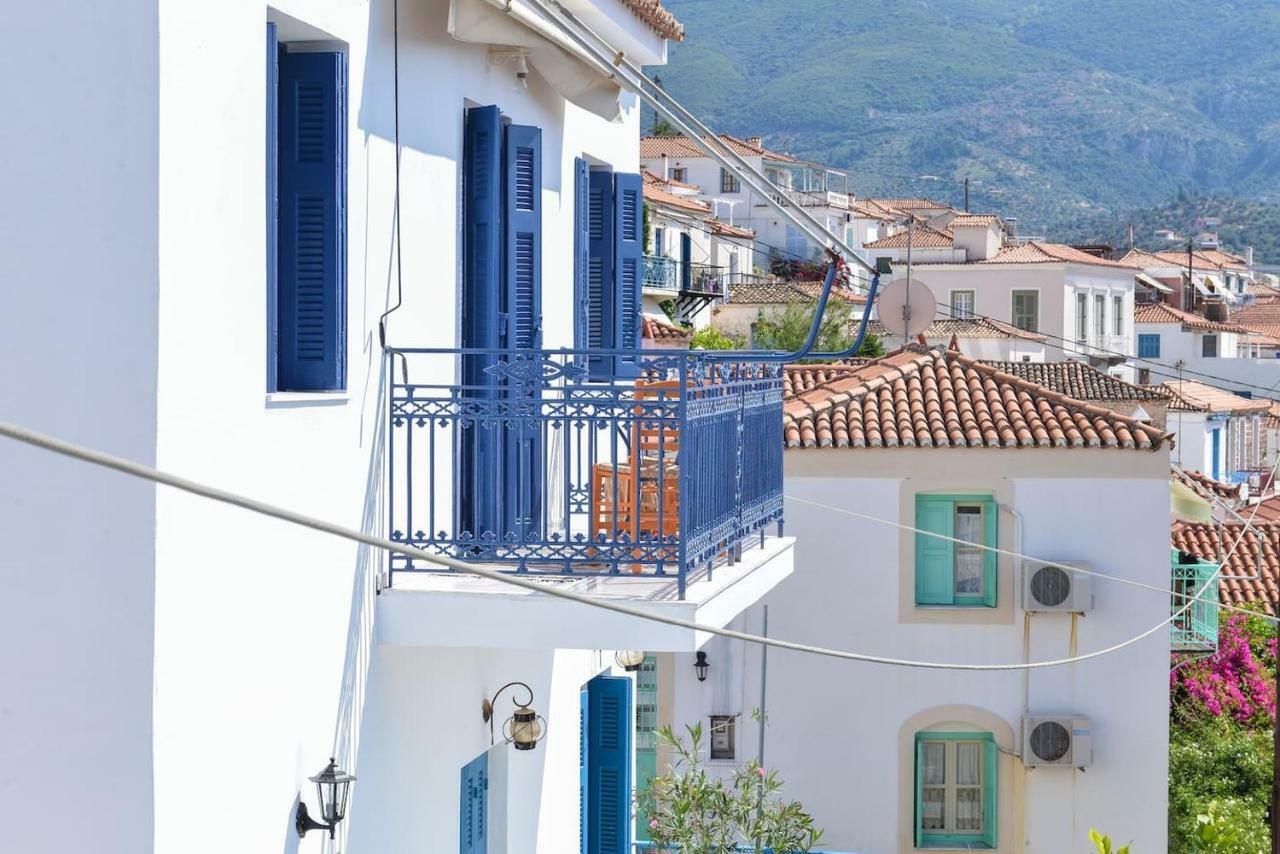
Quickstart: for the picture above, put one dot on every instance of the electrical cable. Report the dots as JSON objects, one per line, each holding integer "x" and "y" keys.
{"x": 134, "y": 469}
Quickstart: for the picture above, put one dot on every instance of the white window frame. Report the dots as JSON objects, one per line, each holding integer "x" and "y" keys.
{"x": 1082, "y": 317}
{"x": 724, "y": 726}
{"x": 1034, "y": 294}
{"x": 956, "y": 311}
{"x": 1117, "y": 320}
{"x": 950, "y": 788}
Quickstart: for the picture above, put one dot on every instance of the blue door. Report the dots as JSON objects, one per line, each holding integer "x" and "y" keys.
{"x": 1217, "y": 454}
{"x": 608, "y": 758}
{"x": 473, "y": 807}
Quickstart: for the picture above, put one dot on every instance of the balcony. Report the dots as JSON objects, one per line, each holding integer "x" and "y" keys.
{"x": 1196, "y": 629}
{"x": 525, "y": 462}
{"x": 661, "y": 272}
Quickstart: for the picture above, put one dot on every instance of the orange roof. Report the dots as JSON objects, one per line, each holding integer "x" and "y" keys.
{"x": 1159, "y": 312}
{"x": 683, "y": 146}
{"x": 780, "y": 293}
{"x": 1263, "y": 318}
{"x": 918, "y": 397}
{"x": 1035, "y": 252}
{"x": 909, "y": 204}
{"x": 1201, "y": 259}
{"x": 1249, "y": 559}
{"x": 656, "y": 192}
{"x": 968, "y": 220}
{"x": 659, "y": 19}
{"x": 870, "y": 209}
{"x": 965, "y": 327}
{"x": 801, "y": 378}
{"x": 659, "y": 330}
{"x": 922, "y": 237}
{"x": 718, "y": 227}
{"x": 1200, "y": 397}
{"x": 1205, "y": 486}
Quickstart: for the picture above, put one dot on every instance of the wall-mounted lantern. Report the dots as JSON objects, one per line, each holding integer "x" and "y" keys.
{"x": 333, "y": 785}
{"x": 701, "y": 666}
{"x": 525, "y": 728}
{"x": 629, "y": 659}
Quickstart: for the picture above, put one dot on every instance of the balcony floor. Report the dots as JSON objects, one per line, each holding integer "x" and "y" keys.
{"x": 438, "y": 609}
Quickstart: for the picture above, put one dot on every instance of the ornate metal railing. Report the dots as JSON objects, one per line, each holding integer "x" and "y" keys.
{"x": 706, "y": 279}
{"x": 581, "y": 462}
{"x": 1196, "y": 628}
{"x": 661, "y": 272}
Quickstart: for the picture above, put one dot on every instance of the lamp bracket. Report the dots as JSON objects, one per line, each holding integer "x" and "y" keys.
{"x": 303, "y": 822}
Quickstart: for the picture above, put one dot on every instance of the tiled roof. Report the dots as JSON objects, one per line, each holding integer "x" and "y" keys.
{"x": 909, "y": 204}
{"x": 1263, "y": 318}
{"x": 1205, "y": 486}
{"x": 683, "y": 146}
{"x": 782, "y": 293}
{"x": 1159, "y": 312}
{"x": 659, "y": 19}
{"x": 1143, "y": 258}
{"x": 870, "y": 209}
{"x": 1078, "y": 380}
{"x": 1266, "y": 510}
{"x": 968, "y": 220}
{"x": 919, "y": 397}
{"x": 801, "y": 378}
{"x": 1201, "y": 259}
{"x": 922, "y": 237}
{"x": 656, "y": 192}
{"x": 966, "y": 327}
{"x": 1035, "y": 252}
{"x": 718, "y": 227}
{"x": 659, "y": 330}
{"x": 1203, "y": 540}
{"x": 1199, "y": 397}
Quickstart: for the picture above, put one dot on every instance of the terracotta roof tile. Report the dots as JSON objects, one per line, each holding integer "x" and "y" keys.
{"x": 1261, "y": 317}
{"x": 659, "y": 18}
{"x": 782, "y": 293}
{"x": 1078, "y": 380}
{"x": 1249, "y": 559}
{"x": 801, "y": 378}
{"x": 659, "y": 330}
{"x": 683, "y": 146}
{"x": 922, "y": 237}
{"x": 919, "y": 397}
{"x": 1199, "y": 397}
{"x": 969, "y": 220}
{"x": 1035, "y": 252}
{"x": 968, "y": 327}
{"x": 1159, "y": 312}
{"x": 1205, "y": 486}
{"x": 656, "y": 192}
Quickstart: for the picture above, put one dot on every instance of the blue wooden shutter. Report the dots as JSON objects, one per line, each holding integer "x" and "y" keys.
{"x": 273, "y": 203}
{"x": 480, "y": 446}
{"x": 600, "y": 294}
{"x": 584, "y": 700}
{"x": 581, "y": 253}
{"x": 686, "y": 261}
{"x": 628, "y": 268}
{"x": 609, "y": 719}
{"x": 473, "y": 807}
{"x": 522, "y": 311}
{"x": 935, "y": 572}
{"x": 312, "y": 257}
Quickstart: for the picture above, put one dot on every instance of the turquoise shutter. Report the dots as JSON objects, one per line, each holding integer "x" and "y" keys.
{"x": 919, "y": 812}
{"x": 311, "y": 296}
{"x": 600, "y": 297}
{"x": 935, "y": 573}
{"x": 990, "y": 537}
{"x": 990, "y": 791}
{"x": 628, "y": 266}
{"x": 609, "y": 719}
{"x": 473, "y": 803}
{"x": 584, "y": 700}
{"x": 581, "y": 253}
{"x": 480, "y": 452}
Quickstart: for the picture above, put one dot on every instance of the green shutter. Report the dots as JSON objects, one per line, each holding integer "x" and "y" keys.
{"x": 919, "y": 820}
{"x": 990, "y": 537}
{"x": 990, "y": 790}
{"x": 934, "y": 561}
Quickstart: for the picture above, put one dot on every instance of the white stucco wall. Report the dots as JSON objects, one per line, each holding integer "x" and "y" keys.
{"x": 78, "y": 168}
{"x": 835, "y": 728}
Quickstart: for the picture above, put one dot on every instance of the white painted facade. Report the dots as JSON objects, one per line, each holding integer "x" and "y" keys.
{"x": 174, "y": 680}
{"x": 840, "y": 733}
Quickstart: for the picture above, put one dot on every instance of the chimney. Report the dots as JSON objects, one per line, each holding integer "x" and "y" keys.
{"x": 1248, "y": 256}
{"x": 1011, "y": 228}
{"x": 756, "y": 141}
{"x": 666, "y": 168}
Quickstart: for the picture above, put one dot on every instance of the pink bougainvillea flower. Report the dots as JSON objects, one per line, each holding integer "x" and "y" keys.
{"x": 761, "y": 772}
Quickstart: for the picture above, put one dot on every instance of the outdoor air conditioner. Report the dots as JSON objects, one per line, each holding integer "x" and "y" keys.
{"x": 1064, "y": 740}
{"x": 1049, "y": 587}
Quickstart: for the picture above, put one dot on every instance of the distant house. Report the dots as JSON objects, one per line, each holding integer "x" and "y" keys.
{"x": 976, "y": 337}
{"x": 1081, "y": 382}
{"x": 1218, "y": 433}
{"x": 1216, "y": 277}
{"x": 1252, "y": 572}
{"x": 1169, "y": 336}
{"x": 745, "y": 303}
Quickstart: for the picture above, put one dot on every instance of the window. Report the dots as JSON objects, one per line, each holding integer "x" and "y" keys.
{"x": 1082, "y": 320}
{"x": 1026, "y": 310}
{"x": 306, "y": 218}
{"x": 722, "y": 736}
{"x": 1209, "y": 346}
{"x": 729, "y": 182}
{"x": 680, "y": 174}
{"x": 962, "y": 303}
{"x": 1149, "y": 346}
{"x": 1099, "y": 316}
{"x": 1117, "y": 316}
{"x": 956, "y": 573}
{"x": 659, "y": 241}
{"x": 956, "y": 789}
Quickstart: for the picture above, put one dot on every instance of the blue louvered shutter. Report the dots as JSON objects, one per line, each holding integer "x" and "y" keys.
{"x": 273, "y": 204}
{"x": 481, "y": 446}
{"x": 600, "y": 295}
{"x": 686, "y": 261}
{"x": 935, "y": 564}
{"x": 311, "y": 298}
{"x": 628, "y": 268}
{"x": 581, "y": 253}
{"x": 609, "y": 723}
{"x": 584, "y": 701}
{"x": 522, "y": 481}
{"x": 473, "y": 807}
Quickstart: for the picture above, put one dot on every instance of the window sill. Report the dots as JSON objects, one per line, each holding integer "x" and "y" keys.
{"x": 946, "y": 608}
{"x": 297, "y": 399}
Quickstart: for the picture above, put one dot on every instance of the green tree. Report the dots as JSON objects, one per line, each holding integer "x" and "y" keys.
{"x": 787, "y": 331}
{"x": 710, "y": 338}
{"x": 662, "y": 127}
{"x": 1103, "y": 844}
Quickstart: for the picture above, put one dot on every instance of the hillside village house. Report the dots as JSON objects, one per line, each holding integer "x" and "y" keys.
{"x": 822, "y": 190}
{"x": 930, "y": 438}
{"x": 747, "y": 302}
{"x": 691, "y": 257}
{"x": 220, "y": 317}
{"x": 1218, "y": 433}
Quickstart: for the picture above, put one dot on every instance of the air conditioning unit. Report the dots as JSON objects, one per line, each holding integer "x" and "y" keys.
{"x": 1049, "y": 587}
{"x": 1064, "y": 740}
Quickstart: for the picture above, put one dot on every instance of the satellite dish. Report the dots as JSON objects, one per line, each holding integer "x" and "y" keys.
{"x": 906, "y": 311}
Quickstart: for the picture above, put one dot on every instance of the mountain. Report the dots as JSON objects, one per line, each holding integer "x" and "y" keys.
{"x": 1054, "y": 110}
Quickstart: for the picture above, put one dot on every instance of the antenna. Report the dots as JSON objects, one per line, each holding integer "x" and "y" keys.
{"x": 907, "y": 307}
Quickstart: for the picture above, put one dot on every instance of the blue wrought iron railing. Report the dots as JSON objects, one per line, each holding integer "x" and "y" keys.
{"x": 530, "y": 464}
{"x": 661, "y": 272}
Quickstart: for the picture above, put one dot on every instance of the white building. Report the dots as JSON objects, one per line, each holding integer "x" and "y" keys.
{"x": 1083, "y": 303}
{"x": 1218, "y": 433}
{"x": 202, "y": 250}
{"x": 923, "y": 438}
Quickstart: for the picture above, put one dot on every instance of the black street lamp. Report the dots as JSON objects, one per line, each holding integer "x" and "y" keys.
{"x": 701, "y": 666}
{"x": 332, "y": 788}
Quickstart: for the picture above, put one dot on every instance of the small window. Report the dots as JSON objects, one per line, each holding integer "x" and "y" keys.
{"x": 1099, "y": 315}
{"x": 956, "y": 777}
{"x": 1026, "y": 310}
{"x": 1117, "y": 316}
{"x": 1209, "y": 346}
{"x": 729, "y": 182}
{"x": 956, "y": 567}
{"x": 679, "y": 174}
{"x": 1149, "y": 346}
{"x": 723, "y": 736}
{"x": 1082, "y": 319}
{"x": 962, "y": 303}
